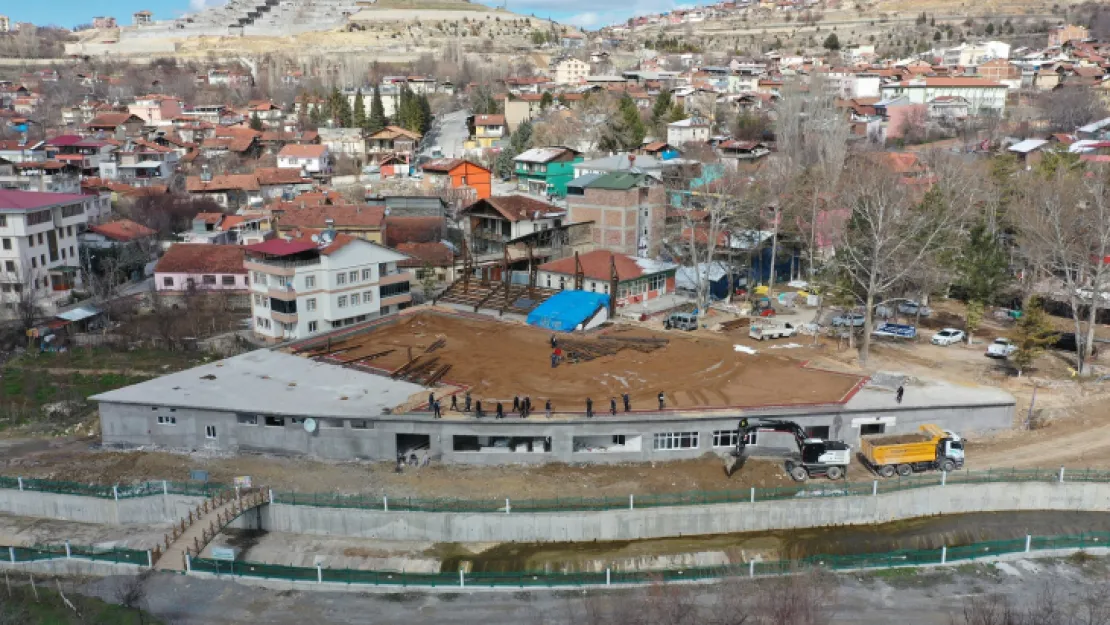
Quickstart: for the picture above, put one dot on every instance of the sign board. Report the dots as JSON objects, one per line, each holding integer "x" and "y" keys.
{"x": 224, "y": 553}
{"x": 243, "y": 481}
{"x": 197, "y": 475}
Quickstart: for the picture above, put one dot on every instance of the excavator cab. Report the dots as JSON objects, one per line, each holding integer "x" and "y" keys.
{"x": 817, "y": 456}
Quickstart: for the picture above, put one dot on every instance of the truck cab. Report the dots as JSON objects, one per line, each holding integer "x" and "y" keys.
{"x": 952, "y": 448}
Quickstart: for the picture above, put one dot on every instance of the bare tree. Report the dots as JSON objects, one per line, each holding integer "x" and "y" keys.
{"x": 1068, "y": 108}
{"x": 130, "y": 592}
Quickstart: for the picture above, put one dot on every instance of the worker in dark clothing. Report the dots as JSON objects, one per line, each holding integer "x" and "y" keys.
{"x": 613, "y": 406}
{"x": 431, "y": 400}
{"x": 466, "y": 401}
{"x": 454, "y": 402}
{"x": 627, "y": 402}
{"x": 553, "y": 341}
{"x": 527, "y": 406}
{"x": 661, "y": 403}
{"x": 435, "y": 409}
{"x": 898, "y": 394}
{"x": 554, "y": 360}
{"x": 478, "y": 408}
{"x": 500, "y": 411}
{"x": 589, "y": 407}
{"x": 547, "y": 408}
{"x": 516, "y": 403}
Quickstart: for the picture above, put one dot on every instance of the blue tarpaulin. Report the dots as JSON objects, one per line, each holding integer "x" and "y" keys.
{"x": 565, "y": 310}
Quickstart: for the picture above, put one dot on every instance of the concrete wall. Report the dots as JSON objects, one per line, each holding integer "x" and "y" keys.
{"x": 140, "y": 510}
{"x": 127, "y": 424}
{"x": 680, "y": 521}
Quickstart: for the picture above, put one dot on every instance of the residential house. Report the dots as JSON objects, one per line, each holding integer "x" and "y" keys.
{"x": 436, "y": 259}
{"x": 193, "y": 267}
{"x": 521, "y": 108}
{"x": 983, "y": 96}
{"x": 392, "y": 140}
{"x": 948, "y": 109}
{"x": 312, "y": 159}
{"x": 546, "y": 171}
{"x": 572, "y": 40}
{"x": 230, "y": 191}
{"x": 571, "y": 72}
{"x": 314, "y": 283}
{"x": 133, "y": 244}
{"x": 455, "y": 173}
{"x": 21, "y": 150}
{"x": 1062, "y": 34}
{"x": 104, "y": 23}
{"x": 42, "y": 176}
{"x": 141, "y": 163}
{"x": 1030, "y": 151}
{"x": 207, "y": 229}
{"x": 488, "y": 130}
{"x": 1001, "y": 71}
{"x": 492, "y": 222}
{"x": 142, "y": 18}
{"x": 115, "y": 125}
{"x": 5, "y": 24}
{"x": 736, "y": 153}
{"x": 361, "y": 221}
{"x": 274, "y": 140}
{"x": 621, "y": 161}
{"x": 638, "y": 279}
{"x": 83, "y": 155}
{"x": 346, "y": 142}
{"x": 238, "y": 141}
{"x": 692, "y": 130}
{"x": 267, "y": 112}
{"x": 628, "y": 211}
{"x": 156, "y": 109}
{"x": 286, "y": 184}
{"x": 39, "y": 248}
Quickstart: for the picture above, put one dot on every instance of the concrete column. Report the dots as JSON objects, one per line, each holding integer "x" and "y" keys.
{"x": 149, "y": 559}
{"x": 874, "y": 487}
{"x": 944, "y": 554}
{"x": 508, "y": 506}
{"x": 753, "y": 494}
{"x": 20, "y": 485}
{"x": 607, "y": 577}
{"x": 943, "y": 478}
{"x": 751, "y": 568}
{"x": 1061, "y": 474}
{"x": 385, "y": 503}
{"x": 1028, "y": 542}
{"x": 165, "y": 488}
{"x": 272, "y": 500}
{"x": 462, "y": 579}
{"x": 188, "y": 563}
{"x": 115, "y": 493}
{"x": 68, "y": 553}
{"x": 11, "y": 554}
{"x": 631, "y": 502}
{"x": 319, "y": 574}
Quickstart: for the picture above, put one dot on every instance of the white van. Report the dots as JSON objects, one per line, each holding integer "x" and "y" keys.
{"x": 770, "y": 328}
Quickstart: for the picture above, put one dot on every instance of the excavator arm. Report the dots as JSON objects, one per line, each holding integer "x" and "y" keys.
{"x": 736, "y": 457}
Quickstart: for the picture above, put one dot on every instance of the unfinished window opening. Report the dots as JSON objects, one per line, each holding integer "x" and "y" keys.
{"x": 408, "y": 444}
{"x": 501, "y": 444}
{"x": 247, "y": 419}
{"x": 165, "y": 420}
{"x": 210, "y": 432}
{"x": 361, "y": 424}
{"x": 818, "y": 431}
{"x": 610, "y": 443}
{"x": 867, "y": 429}
{"x": 275, "y": 422}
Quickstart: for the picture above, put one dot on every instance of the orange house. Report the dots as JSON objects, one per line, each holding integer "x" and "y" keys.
{"x": 458, "y": 173}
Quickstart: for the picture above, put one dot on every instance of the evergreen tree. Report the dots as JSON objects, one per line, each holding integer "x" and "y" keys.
{"x": 377, "y": 120}
{"x": 339, "y": 109}
{"x": 256, "y": 121}
{"x": 626, "y": 130}
{"x": 316, "y": 114}
{"x": 983, "y": 267}
{"x": 1032, "y": 334}
{"x": 661, "y": 107}
{"x": 832, "y": 43}
{"x": 546, "y": 100}
{"x": 425, "y": 114}
{"x": 358, "y": 118}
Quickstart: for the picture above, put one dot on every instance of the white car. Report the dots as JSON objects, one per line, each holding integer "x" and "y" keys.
{"x": 1001, "y": 348}
{"x": 948, "y": 336}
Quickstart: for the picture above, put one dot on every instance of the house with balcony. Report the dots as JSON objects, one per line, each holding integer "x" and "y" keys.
{"x": 231, "y": 191}
{"x": 490, "y": 224}
{"x": 191, "y": 268}
{"x": 315, "y": 282}
{"x": 80, "y": 154}
{"x": 156, "y": 109}
{"x": 457, "y": 173}
{"x": 41, "y": 176}
{"x": 982, "y": 96}
{"x": 488, "y": 130}
{"x": 392, "y": 140}
{"x": 21, "y": 150}
{"x": 115, "y": 125}
{"x": 546, "y": 171}
{"x": 313, "y": 160}
{"x": 39, "y": 248}
{"x": 141, "y": 163}
{"x": 361, "y": 221}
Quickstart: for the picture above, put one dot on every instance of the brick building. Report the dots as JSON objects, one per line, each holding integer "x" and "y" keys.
{"x": 627, "y": 209}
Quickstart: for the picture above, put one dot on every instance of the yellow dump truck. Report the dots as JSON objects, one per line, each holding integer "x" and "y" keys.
{"x": 932, "y": 449}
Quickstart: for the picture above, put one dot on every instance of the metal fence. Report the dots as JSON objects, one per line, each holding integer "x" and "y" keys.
{"x": 62, "y": 552}
{"x": 573, "y": 504}
{"x": 905, "y": 558}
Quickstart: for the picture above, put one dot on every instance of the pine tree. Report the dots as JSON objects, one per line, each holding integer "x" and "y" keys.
{"x": 832, "y": 43}
{"x": 425, "y": 114}
{"x": 1032, "y": 334}
{"x": 377, "y": 120}
{"x": 256, "y": 121}
{"x": 340, "y": 109}
{"x": 546, "y": 100}
{"x": 358, "y": 119}
{"x": 661, "y": 107}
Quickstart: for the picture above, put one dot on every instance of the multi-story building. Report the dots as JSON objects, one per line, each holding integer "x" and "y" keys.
{"x": 981, "y": 95}
{"x": 571, "y": 72}
{"x": 156, "y": 109}
{"x": 493, "y": 222}
{"x": 39, "y": 248}
{"x": 488, "y": 130}
{"x": 545, "y": 171}
{"x": 310, "y": 284}
{"x": 311, "y": 159}
{"x": 5, "y": 24}
{"x": 1063, "y": 34}
{"x": 628, "y": 211}
{"x": 692, "y": 130}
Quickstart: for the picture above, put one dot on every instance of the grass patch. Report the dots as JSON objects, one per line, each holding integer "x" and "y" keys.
{"x": 1081, "y": 558}
{"x": 25, "y": 392}
{"x": 48, "y": 609}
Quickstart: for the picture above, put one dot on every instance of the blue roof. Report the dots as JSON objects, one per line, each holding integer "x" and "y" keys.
{"x": 565, "y": 310}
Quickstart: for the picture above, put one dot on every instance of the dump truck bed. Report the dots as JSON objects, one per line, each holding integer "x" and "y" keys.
{"x": 879, "y": 453}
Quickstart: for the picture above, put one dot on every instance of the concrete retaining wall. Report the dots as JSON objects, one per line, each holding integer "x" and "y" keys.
{"x": 680, "y": 521}
{"x": 75, "y": 567}
{"x": 154, "y": 510}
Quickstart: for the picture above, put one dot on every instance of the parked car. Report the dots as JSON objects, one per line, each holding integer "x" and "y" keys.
{"x": 681, "y": 321}
{"x": 1001, "y": 348}
{"x": 911, "y": 308}
{"x": 948, "y": 336}
{"x": 849, "y": 319}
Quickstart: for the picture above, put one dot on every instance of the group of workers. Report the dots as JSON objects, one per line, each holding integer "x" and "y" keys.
{"x": 523, "y": 407}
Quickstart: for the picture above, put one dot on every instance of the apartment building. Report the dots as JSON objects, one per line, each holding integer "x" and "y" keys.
{"x": 314, "y": 283}
{"x": 571, "y": 72}
{"x": 39, "y": 249}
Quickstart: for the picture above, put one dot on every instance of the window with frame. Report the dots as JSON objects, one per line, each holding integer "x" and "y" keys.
{"x": 310, "y": 303}
{"x": 247, "y": 419}
{"x": 342, "y": 301}
{"x": 360, "y": 424}
{"x": 727, "y": 438}
{"x": 228, "y": 280}
{"x": 664, "y": 441}
{"x": 275, "y": 422}
{"x": 260, "y": 278}
{"x": 7, "y": 244}
{"x": 353, "y": 276}
{"x": 210, "y": 432}
{"x": 310, "y": 282}
{"x": 367, "y": 297}
{"x": 657, "y": 282}
{"x": 208, "y": 279}
{"x": 3, "y": 221}
{"x": 368, "y": 274}
{"x": 867, "y": 429}
{"x": 34, "y": 263}
{"x": 40, "y": 217}
{"x": 167, "y": 420}
{"x": 341, "y": 278}
{"x": 73, "y": 211}
{"x": 312, "y": 325}
{"x": 9, "y": 266}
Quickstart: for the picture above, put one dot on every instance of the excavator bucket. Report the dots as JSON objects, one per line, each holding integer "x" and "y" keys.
{"x": 733, "y": 464}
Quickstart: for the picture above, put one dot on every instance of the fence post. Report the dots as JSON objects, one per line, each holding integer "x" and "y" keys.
{"x": 165, "y": 488}
{"x": 631, "y": 502}
{"x": 319, "y": 574}
{"x": 753, "y": 494}
{"x": 188, "y": 563}
{"x": 944, "y": 554}
{"x": 68, "y": 553}
{"x": 11, "y": 554}
{"x": 272, "y": 496}
{"x": 1028, "y": 542}
{"x": 149, "y": 559}
{"x": 462, "y": 579}
{"x": 508, "y": 507}
{"x": 115, "y": 492}
{"x": 20, "y": 487}
{"x": 608, "y": 579}
{"x": 943, "y": 478}
{"x": 1061, "y": 474}
{"x": 751, "y": 568}
{"x": 874, "y": 487}
{"x": 385, "y": 503}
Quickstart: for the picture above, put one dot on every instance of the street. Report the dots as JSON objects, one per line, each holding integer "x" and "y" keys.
{"x": 448, "y": 132}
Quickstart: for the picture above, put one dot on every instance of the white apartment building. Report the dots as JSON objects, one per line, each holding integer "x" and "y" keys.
{"x": 571, "y": 72}
{"x": 300, "y": 287}
{"x": 39, "y": 248}
{"x": 982, "y": 95}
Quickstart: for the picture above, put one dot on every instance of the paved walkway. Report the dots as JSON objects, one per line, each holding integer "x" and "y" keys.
{"x": 196, "y": 536}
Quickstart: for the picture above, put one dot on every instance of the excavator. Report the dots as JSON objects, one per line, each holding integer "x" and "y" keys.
{"x": 816, "y": 458}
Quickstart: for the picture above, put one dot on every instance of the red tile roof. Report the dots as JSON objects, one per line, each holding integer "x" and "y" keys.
{"x": 32, "y": 200}
{"x": 434, "y": 254}
{"x": 112, "y": 120}
{"x": 281, "y": 247}
{"x": 209, "y": 218}
{"x": 229, "y": 182}
{"x": 595, "y": 265}
{"x": 342, "y": 216}
{"x": 279, "y": 175}
{"x": 297, "y": 150}
{"x": 489, "y": 120}
{"x": 122, "y": 230}
{"x": 516, "y": 207}
{"x": 197, "y": 258}
{"x": 401, "y": 230}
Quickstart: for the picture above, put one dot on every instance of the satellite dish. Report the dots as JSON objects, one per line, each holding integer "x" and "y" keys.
{"x": 310, "y": 425}
{"x": 315, "y": 238}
